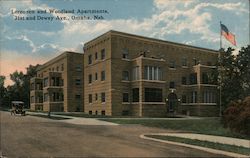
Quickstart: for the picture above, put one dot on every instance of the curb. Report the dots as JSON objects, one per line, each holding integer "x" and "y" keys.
{"x": 214, "y": 151}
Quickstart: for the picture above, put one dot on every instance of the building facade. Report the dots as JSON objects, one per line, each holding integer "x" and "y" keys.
{"x": 132, "y": 75}
{"x": 121, "y": 74}
{"x": 59, "y": 85}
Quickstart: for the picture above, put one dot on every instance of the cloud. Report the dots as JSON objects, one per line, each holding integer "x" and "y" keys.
{"x": 47, "y": 48}
{"x": 20, "y": 43}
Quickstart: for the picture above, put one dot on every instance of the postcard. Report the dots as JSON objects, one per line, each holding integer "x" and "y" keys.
{"x": 123, "y": 78}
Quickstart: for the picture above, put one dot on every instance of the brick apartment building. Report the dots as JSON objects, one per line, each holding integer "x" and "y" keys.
{"x": 126, "y": 74}
{"x": 59, "y": 84}
{"x": 133, "y": 75}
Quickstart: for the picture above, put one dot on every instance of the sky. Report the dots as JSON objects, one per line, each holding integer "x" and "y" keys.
{"x": 191, "y": 22}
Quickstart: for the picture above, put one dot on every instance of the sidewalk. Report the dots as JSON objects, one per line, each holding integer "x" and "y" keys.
{"x": 77, "y": 120}
{"x": 215, "y": 151}
{"x": 216, "y": 139}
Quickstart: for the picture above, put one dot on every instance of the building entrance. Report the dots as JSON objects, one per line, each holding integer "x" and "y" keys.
{"x": 172, "y": 102}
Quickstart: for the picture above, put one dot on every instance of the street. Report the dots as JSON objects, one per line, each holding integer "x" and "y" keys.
{"x": 29, "y": 136}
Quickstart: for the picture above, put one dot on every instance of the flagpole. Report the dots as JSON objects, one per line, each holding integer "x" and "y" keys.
{"x": 220, "y": 70}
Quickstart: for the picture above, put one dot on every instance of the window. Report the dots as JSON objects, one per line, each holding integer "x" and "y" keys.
{"x": 57, "y": 68}
{"x": 102, "y": 75}
{"x": 204, "y": 78}
{"x": 125, "y": 97}
{"x": 125, "y": 75}
{"x": 96, "y": 112}
{"x": 32, "y": 99}
{"x": 184, "y": 80}
{"x": 184, "y": 99}
{"x": 62, "y": 67}
{"x": 53, "y": 69}
{"x": 103, "y": 112}
{"x": 152, "y": 73}
{"x": 77, "y": 81}
{"x": 96, "y": 76}
{"x": 90, "y": 112}
{"x": 90, "y": 98}
{"x": 90, "y": 78}
{"x": 96, "y": 55}
{"x": 62, "y": 82}
{"x": 195, "y": 61}
{"x": 153, "y": 95}
{"x": 46, "y": 97}
{"x": 125, "y": 53}
{"x": 193, "y": 78}
{"x": 45, "y": 82}
{"x": 55, "y": 97}
{"x": 90, "y": 59}
{"x": 55, "y": 81}
{"x": 96, "y": 96}
{"x": 32, "y": 86}
{"x": 172, "y": 64}
{"x": 135, "y": 73}
{"x": 78, "y": 68}
{"x": 103, "y": 99}
{"x": 78, "y": 96}
{"x": 135, "y": 94}
{"x": 194, "y": 97}
{"x": 209, "y": 97}
{"x": 184, "y": 61}
{"x": 172, "y": 84}
{"x": 103, "y": 54}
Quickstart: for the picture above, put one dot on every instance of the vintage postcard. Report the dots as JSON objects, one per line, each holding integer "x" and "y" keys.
{"x": 124, "y": 78}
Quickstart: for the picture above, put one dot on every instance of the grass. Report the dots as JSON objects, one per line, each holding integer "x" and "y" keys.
{"x": 210, "y": 126}
{"x": 219, "y": 146}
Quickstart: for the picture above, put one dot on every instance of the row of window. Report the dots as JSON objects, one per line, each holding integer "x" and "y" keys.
{"x": 103, "y": 97}
{"x": 208, "y": 97}
{"x": 78, "y": 68}
{"x": 155, "y": 73}
{"x": 172, "y": 63}
{"x": 96, "y": 112}
{"x": 90, "y": 57}
{"x": 57, "y": 68}
{"x": 151, "y": 95}
{"x": 125, "y": 55}
{"x": 55, "y": 97}
{"x": 150, "y": 73}
{"x": 38, "y": 99}
{"x": 103, "y": 77}
{"x": 37, "y": 86}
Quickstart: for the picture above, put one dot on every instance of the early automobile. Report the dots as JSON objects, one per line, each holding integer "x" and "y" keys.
{"x": 17, "y": 108}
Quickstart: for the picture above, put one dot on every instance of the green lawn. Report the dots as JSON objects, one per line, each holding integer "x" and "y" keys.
{"x": 211, "y": 126}
{"x": 218, "y": 146}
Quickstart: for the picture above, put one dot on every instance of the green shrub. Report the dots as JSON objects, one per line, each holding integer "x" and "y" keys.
{"x": 237, "y": 116}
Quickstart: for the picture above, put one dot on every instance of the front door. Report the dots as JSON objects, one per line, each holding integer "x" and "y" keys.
{"x": 172, "y": 102}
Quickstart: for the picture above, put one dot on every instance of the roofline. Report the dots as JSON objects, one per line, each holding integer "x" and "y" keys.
{"x": 149, "y": 38}
{"x": 64, "y": 54}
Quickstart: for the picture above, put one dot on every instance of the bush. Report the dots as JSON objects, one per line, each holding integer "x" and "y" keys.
{"x": 237, "y": 116}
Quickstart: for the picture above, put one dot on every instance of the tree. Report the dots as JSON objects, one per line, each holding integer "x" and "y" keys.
{"x": 243, "y": 64}
{"x": 235, "y": 75}
{"x": 20, "y": 90}
{"x": 2, "y": 90}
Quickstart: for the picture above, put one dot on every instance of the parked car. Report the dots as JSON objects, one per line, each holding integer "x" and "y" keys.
{"x": 17, "y": 108}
